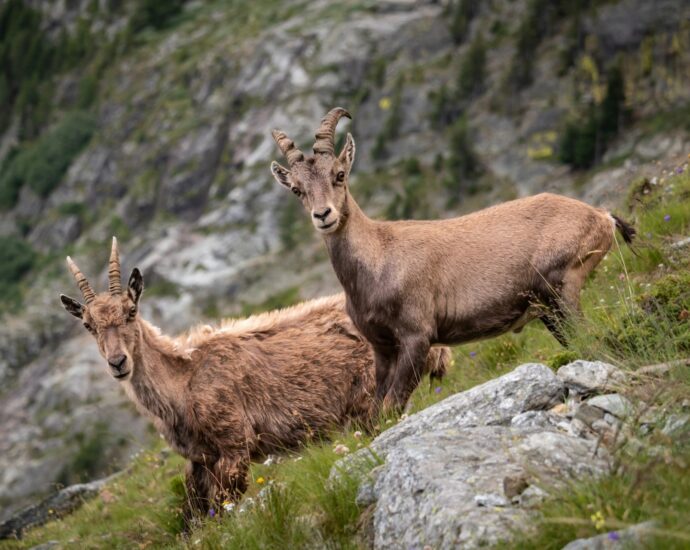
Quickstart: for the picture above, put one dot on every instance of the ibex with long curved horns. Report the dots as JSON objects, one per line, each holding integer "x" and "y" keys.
{"x": 412, "y": 284}
{"x": 227, "y": 395}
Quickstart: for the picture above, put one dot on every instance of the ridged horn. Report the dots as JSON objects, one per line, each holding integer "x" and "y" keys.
{"x": 325, "y": 135}
{"x": 114, "y": 278}
{"x": 287, "y": 147}
{"x": 86, "y": 290}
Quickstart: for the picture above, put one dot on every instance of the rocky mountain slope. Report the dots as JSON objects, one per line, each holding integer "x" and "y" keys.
{"x": 456, "y": 105}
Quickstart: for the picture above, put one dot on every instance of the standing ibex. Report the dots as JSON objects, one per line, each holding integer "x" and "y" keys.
{"x": 412, "y": 284}
{"x": 227, "y": 395}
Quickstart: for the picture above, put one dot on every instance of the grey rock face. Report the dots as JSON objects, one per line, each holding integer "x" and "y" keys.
{"x": 465, "y": 472}
{"x": 632, "y": 537}
{"x": 612, "y": 403}
{"x": 529, "y": 387}
{"x": 677, "y": 425}
{"x": 590, "y": 376}
{"x": 61, "y": 503}
{"x": 446, "y": 488}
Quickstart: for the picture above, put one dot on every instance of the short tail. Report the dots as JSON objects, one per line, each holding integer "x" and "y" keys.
{"x": 626, "y": 230}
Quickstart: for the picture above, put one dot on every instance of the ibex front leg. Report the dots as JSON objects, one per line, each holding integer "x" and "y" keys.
{"x": 409, "y": 368}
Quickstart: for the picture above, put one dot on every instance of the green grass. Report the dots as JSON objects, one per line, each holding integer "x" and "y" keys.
{"x": 633, "y": 316}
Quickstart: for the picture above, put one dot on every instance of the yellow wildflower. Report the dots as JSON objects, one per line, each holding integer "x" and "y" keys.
{"x": 385, "y": 103}
{"x": 260, "y": 480}
{"x": 598, "y": 520}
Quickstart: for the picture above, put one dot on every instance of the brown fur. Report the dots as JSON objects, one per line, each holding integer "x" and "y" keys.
{"x": 224, "y": 396}
{"x": 412, "y": 284}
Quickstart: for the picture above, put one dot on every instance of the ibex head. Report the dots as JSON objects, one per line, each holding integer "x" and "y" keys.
{"x": 110, "y": 316}
{"x": 319, "y": 181}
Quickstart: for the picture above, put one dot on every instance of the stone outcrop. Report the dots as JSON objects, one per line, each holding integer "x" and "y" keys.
{"x": 467, "y": 471}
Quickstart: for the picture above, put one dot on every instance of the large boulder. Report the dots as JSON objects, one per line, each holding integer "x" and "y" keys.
{"x": 527, "y": 388}
{"x": 466, "y": 471}
{"x": 586, "y": 377}
{"x": 463, "y": 488}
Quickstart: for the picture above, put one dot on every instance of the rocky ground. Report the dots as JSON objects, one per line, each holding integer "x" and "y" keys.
{"x": 468, "y": 471}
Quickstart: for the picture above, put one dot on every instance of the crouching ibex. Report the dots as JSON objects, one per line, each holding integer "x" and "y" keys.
{"x": 224, "y": 396}
{"x": 412, "y": 284}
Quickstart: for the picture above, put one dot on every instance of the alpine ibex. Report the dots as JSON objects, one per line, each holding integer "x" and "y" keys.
{"x": 223, "y": 396}
{"x": 412, "y": 284}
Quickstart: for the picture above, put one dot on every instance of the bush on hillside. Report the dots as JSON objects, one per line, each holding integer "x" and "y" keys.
{"x": 155, "y": 13}
{"x": 472, "y": 70}
{"x": 42, "y": 164}
{"x": 16, "y": 260}
{"x": 463, "y": 166}
{"x": 461, "y": 14}
{"x": 584, "y": 141}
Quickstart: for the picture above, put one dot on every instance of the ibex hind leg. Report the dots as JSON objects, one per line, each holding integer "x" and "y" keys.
{"x": 563, "y": 308}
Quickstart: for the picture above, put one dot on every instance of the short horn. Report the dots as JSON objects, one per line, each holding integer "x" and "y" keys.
{"x": 325, "y": 135}
{"x": 287, "y": 147}
{"x": 86, "y": 290}
{"x": 114, "y": 278}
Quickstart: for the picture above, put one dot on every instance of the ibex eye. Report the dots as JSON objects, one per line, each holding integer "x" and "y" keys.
{"x": 340, "y": 176}
{"x": 87, "y": 326}
{"x": 296, "y": 191}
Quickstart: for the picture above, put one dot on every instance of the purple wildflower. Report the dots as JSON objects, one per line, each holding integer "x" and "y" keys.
{"x": 679, "y": 170}
{"x": 667, "y": 217}
{"x": 437, "y": 389}
{"x": 473, "y": 354}
{"x": 212, "y": 512}
{"x": 613, "y": 535}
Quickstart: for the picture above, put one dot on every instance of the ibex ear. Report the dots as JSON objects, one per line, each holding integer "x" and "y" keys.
{"x": 347, "y": 155}
{"x": 135, "y": 286}
{"x": 72, "y": 306}
{"x": 281, "y": 174}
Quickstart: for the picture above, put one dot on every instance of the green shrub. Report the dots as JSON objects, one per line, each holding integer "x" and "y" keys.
{"x": 411, "y": 202}
{"x": 461, "y": 14}
{"x": 10, "y": 181}
{"x": 26, "y": 55}
{"x": 561, "y": 358}
{"x": 155, "y": 13}
{"x": 29, "y": 59}
{"x": 88, "y": 460}
{"x": 443, "y": 107}
{"x": 584, "y": 142}
{"x": 472, "y": 70}
{"x": 463, "y": 165}
{"x": 42, "y": 164}
{"x": 16, "y": 260}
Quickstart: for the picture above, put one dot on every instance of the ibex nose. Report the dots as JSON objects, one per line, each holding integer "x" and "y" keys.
{"x": 323, "y": 214}
{"x": 117, "y": 361}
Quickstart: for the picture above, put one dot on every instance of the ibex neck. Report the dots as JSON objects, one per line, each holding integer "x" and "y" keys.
{"x": 159, "y": 377}
{"x": 355, "y": 248}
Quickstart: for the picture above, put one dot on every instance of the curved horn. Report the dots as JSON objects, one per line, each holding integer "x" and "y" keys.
{"x": 86, "y": 290}
{"x": 114, "y": 278}
{"x": 325, "y": 135}
{"x": 287, "y": 147}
